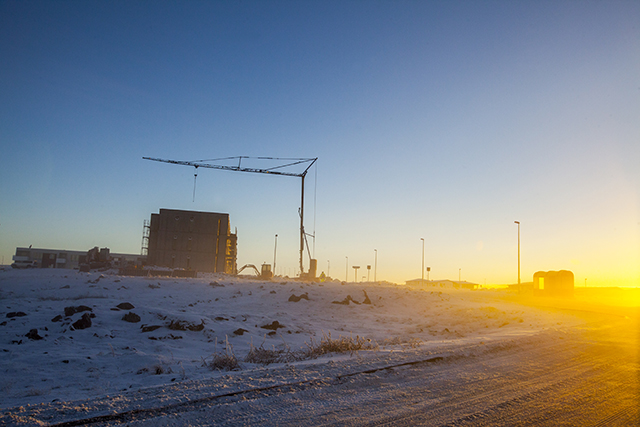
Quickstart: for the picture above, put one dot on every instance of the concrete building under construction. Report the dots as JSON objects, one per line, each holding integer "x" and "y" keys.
{"x": 200, "y": 241}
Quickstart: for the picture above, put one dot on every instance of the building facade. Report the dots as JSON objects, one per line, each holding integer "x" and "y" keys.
{"x": 192, "y": 240}
{"x": 63, "y": 258}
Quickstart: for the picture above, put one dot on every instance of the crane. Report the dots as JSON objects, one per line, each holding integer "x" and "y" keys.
{"x": 275, "y": 170}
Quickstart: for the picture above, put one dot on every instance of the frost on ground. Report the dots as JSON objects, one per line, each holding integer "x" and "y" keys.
{"x": 67, "y": 336}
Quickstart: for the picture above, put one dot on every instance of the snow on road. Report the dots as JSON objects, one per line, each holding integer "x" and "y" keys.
{"x": 149, "y": 342}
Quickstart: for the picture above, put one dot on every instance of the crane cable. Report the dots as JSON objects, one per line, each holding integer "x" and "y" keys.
{"x": 195, "y": 176}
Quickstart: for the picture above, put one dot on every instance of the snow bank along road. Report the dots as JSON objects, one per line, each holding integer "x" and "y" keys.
{"x": 582, "y": 371}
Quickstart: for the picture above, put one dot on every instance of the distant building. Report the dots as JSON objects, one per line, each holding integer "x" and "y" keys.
{"x": 554, "y": 283}
{"x": 524, "y": 287}
{"x": 451, "y": 284}
{"x": 191, "y": 240}
{"x": 63, "y": 258}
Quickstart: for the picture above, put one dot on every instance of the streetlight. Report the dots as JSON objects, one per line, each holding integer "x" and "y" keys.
{"x": 375, "y": 268}
{"x": 275, "y": 247}
{"x": 518, "y": 222}
{"x": 328, "y": 268}
{"x": 422, "y": 281}
{"x": 346, "y": 274}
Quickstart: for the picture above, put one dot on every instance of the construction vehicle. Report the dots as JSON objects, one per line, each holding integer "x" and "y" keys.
{"x": 265, "y": 272}
{"x": 96, "y": 258}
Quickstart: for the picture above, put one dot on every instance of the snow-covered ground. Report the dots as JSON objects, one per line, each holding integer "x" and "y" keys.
{"x": 176, "y": 328}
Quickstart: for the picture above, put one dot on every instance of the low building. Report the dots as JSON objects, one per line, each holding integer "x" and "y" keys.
{"x": 191, "y": 240}
{"x": 63, "y": 258}
{"x": 554, "y": 283}
{"x": 451, "y": 284}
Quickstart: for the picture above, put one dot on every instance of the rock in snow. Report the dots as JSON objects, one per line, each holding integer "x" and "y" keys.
{"x": 131, "y": 317}
{"x": 83, "y": 323}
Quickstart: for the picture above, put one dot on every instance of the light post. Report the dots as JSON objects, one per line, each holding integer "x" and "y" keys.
{"x": 328, "y": 268}
{"x": 375, "y": 268}
{"x": 275, "y": 247}
{"x": 346, "y": 272}
{"x": 518, "y": 222}
{"x": 368, "y": 273}
{"x": 422, "y": 280}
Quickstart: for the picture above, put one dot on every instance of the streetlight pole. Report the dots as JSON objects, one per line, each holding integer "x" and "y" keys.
{"x": 518, "y": 222}
{"x": 328, "y": 268}
{"x": 422, "y": 280}
{"x": 275, "y": 247}
{"x": 346, "y": 273}
{"x": 375, "y": 268}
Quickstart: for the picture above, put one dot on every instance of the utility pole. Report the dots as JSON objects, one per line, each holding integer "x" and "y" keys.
{"x": 375, "y": 268}
{"x": 346, "y": 273}
{"x": 275, "y": 247}
{"x": 422, "y": 280}
{"x": 518, "y": 222}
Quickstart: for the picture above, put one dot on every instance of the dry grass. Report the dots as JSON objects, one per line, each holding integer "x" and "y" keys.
{"x": 263, "y": 356}
{"x": 339, "y": 345}
{"x": 223, "y": 361}
{"x": 312, "y": 350}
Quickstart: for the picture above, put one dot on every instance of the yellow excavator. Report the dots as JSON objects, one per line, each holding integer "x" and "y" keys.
{"x": 265, "y": 272}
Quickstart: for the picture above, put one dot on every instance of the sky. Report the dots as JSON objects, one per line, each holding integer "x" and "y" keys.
{"x": 438, "y": 120}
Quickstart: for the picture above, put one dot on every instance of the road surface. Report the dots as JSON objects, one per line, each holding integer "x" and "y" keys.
{"x": 583, "y": 376}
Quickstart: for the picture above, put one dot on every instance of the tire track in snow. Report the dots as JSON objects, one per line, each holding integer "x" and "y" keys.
{"x": 150, "y": 412}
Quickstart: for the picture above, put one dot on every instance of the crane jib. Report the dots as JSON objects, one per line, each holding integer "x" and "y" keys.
{"x": 237, "y": 168}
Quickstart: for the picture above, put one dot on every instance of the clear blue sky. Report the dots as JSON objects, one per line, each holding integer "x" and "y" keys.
{"x": 442, "y": 120}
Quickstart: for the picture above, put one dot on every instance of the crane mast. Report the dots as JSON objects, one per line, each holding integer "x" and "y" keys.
{"x": 275, "y": 170}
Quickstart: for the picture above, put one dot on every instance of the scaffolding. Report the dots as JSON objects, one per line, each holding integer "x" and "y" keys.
{"x": 146, "y": 227}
